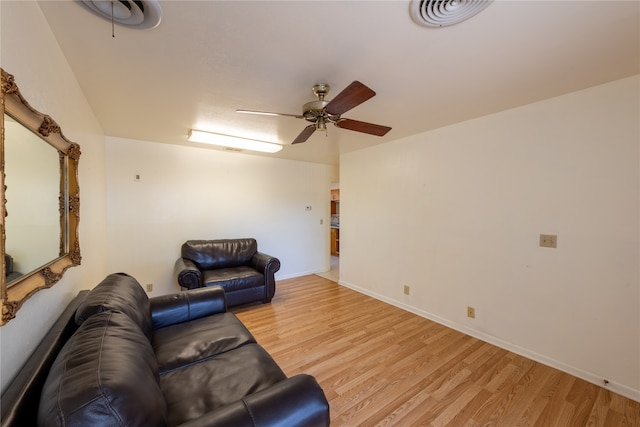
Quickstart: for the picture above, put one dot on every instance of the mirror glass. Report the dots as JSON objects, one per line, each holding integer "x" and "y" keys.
{"x": 32, "y": 180}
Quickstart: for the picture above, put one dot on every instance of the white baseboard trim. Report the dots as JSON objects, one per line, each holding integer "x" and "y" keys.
{"x": 299, "y": 274}
{"x": 618, "y": 388}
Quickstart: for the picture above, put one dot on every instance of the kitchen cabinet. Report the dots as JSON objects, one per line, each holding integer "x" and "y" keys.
{"x": 335, "y": 202}
{"x": 335, "y": 222}
{"x": 335, "y": 207}
{"x": 335, "y": 241}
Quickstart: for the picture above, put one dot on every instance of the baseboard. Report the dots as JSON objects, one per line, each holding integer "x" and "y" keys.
{"x": 618, "y": 388}
{"x": 299, "y": 274}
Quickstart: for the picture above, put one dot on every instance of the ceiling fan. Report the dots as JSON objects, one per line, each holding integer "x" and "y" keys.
{"x": 321, "y": 112}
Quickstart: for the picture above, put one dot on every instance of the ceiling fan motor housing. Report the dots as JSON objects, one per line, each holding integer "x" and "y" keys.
{"x": 314, "y": 111}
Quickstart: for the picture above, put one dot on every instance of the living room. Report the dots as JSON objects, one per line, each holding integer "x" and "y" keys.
{"x": 454, "y": 213}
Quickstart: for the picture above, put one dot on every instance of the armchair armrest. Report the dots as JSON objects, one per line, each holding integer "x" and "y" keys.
{"x": 268, "y": 265}
{"x": 184, "y": 306}
{"x": 187, "y": 274}
{"x": 295, "y": 402}
{"x": 265, "y": 263}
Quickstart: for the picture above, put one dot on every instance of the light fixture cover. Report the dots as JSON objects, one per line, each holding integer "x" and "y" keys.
{"x": 233, "y": 141}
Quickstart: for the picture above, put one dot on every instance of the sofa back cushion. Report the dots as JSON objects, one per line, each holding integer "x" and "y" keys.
{"x": 211, "y": 254}
{"x": 105, "y": 375}
{"x": 118, "y": 292}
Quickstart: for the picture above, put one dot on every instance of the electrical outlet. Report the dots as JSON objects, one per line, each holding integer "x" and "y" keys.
{"x": 407, "y": 289}
{"x": 471, "y": 312}
{"x": 149, "y": 287}
{"x": 548, "y": 241}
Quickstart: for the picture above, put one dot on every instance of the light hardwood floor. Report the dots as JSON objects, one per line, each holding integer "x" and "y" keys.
{"x": 382, "y": 366}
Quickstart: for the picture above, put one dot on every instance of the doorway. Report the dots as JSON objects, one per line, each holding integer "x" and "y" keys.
{"x": 335, "y": 232}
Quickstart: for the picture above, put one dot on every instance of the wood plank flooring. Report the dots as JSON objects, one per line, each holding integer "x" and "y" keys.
{"x": 382, "y": 366}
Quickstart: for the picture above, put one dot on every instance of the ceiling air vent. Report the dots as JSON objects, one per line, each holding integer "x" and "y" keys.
{"x": 440, "y": 13}
{"x": 140, "y": 14}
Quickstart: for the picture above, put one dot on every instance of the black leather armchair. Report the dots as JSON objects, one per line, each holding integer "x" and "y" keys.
{"x": 246, "y": 274}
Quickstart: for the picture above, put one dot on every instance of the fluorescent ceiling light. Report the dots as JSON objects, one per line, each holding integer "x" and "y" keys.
{"x": 233, "y": 141}
{"x": 264, "y": 113}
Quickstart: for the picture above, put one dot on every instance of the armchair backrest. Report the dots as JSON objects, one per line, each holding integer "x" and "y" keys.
{"x": 212, "y": 254}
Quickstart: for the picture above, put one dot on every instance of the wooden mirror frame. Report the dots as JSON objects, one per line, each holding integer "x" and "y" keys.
{"x": 12, "y": 297}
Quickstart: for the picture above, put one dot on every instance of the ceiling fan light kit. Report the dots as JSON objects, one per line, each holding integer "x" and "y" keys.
{"x": 233, "y": 142}
{"x": 442, "y": 13}
{"x": 321, "y": 112}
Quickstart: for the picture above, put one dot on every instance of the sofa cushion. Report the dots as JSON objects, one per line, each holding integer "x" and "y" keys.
{"x": 185, "y": 343}
{"x": 118, "y": 292}
{"x": 233, "y": 278}
{"x": 218, "y": 381}
{"x": 210, "y": 254}
{"x": 106, "y": 374}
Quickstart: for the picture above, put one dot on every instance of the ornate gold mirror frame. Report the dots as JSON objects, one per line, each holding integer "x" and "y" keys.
{"x": 15, "y": 293}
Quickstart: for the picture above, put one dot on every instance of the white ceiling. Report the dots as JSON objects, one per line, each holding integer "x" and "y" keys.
{"x": 208, "y": 58}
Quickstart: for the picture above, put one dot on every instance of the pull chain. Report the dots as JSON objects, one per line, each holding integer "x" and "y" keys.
{"x": 113, "y": 30}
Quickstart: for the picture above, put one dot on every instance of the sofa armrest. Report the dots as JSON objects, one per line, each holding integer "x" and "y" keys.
{"x": 181, "y": 307}
{"x": 295, "y": 402}
{"x": 187, "y": 274}
{"x": 20, "y": 399}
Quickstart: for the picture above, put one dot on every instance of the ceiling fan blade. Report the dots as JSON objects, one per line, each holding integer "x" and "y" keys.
{"x": 269, "y": 113}
{"x": 359, "y": 126}
{"x": 353, "y": 95}
{"x": 305, "y": 134}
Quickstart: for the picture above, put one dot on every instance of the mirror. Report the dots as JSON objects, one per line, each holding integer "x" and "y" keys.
{"x": 32, "y": 177}
{"x": 40, "y": 200}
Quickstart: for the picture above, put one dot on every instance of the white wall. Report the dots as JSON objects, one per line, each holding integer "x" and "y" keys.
{"x": 30, "y": 52}
{"x": 456, "y": 214}
{"x": 200, "y": 193}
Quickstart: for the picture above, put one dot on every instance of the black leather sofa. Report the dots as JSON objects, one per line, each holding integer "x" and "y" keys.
{"x": 116, "y": 357}
{"x": 235, "y": 264}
